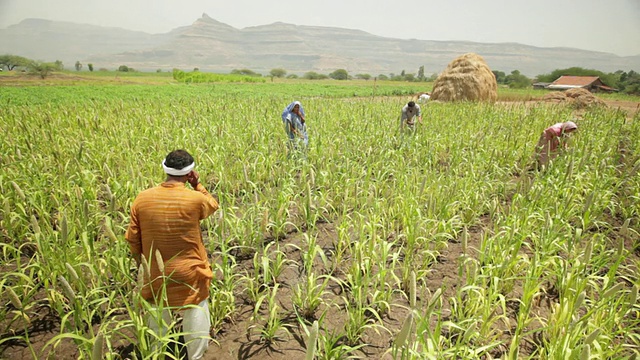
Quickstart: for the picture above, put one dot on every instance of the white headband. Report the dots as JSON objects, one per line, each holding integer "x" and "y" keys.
{"x": 178, "y": 172}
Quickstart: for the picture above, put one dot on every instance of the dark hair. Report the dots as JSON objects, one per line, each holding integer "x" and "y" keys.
{"x": 411, "y": 104}
{"x": 178, "y": 159}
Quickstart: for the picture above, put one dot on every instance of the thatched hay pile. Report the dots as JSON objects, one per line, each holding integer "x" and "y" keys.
{"x": 583, "y": 98}
{"x": 578, "y": 98}
{"x": 466, "y": 78}
{"x": 555, "y": 97}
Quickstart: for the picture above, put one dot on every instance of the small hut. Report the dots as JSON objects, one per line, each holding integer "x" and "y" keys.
{"x": 590, "y": 83}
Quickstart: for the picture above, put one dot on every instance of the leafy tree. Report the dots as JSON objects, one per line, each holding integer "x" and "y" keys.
{"x": 383, "y": 77}
{"x": 58, "y": 65}
{"x": 123, "y": 68}
{"x": 433, "y": 77}
{"x": 246, "y": 72}
{"x": 340, "y": 74}
{"x": 363, "y": 76}
{"x": 517, "y": 80}
{"x": 292, "y": 76}
{"x": 409, "y": 77}
{"x": 312, "y": 75}
{"x": 11, "y": 61}
{"x": 278, "y": 72}
{"x": 78, "y": 66}
{"x": 629, "y": 83}
{"x": 90, "y": 66}
{"x": 42, "y": 69}
{"x": 500, "y": 76}
{"x": 421, "y": 73}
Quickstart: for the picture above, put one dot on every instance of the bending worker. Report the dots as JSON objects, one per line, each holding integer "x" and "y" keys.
{"x": 551, "y": 140}
{"x": 409, "y": 112}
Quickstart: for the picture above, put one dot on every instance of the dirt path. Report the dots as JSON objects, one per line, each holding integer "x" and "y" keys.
{"x": 631, "y": 107}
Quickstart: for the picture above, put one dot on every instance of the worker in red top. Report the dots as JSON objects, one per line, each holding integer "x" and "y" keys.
{"x": 551, "y": 140}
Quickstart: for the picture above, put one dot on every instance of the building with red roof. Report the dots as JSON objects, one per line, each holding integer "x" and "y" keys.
{"x": 591, "y": 83}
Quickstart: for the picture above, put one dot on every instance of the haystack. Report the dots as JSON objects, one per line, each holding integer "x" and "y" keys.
{"x": 466, "y": 78}
{"x": 578, "y": 98}
{"x": 583, "y": 98}
{"x": 555, "y": 96}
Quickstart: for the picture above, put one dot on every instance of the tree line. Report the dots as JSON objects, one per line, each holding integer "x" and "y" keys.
{"x": 342, "y": 74}
{"x": 626, "y": 82}
{"x": 43, "y": 69}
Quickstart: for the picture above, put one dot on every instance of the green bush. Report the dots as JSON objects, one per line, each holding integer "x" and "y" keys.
{"x": 201, "y": 77}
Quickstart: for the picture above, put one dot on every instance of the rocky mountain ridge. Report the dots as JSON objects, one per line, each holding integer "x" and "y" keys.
{"x": 211, "y": 45}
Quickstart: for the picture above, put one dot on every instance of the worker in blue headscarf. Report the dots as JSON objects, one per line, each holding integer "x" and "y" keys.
{"x": 293, "y": 119}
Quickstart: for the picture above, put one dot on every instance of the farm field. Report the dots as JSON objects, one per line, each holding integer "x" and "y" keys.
{"x": 443, "y": 244}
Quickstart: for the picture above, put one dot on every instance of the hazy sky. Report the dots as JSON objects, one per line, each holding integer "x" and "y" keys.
{"x": 601, "y": 25}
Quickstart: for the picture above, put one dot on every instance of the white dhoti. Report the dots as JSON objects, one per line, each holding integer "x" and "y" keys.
{"x": 196, "y": 324}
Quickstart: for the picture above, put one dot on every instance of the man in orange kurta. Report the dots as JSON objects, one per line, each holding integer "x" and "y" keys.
{"x": 167, "y": 218}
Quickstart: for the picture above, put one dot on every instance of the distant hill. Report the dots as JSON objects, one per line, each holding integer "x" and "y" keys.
{"x": 214, "y": 46}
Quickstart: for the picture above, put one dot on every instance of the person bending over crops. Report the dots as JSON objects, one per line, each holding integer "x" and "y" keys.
{"x": 410, "y": 112}
{"x": 165, "y": 220}
{"x": 294, "y": 124}
{"x": 552, "y": 139}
